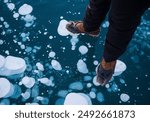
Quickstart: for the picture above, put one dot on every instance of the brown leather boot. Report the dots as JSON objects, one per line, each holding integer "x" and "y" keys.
{"x": 105, "y": 71}
{"x": 76, "y": 27}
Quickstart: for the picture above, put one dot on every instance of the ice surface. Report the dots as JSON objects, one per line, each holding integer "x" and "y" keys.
{"x": 62, "y": 93}
{"x": 120, "y": 68}
{"x": 87, "y": 78}
{"x": 2, "y": 61}
{"x": 82, "y": 67}
{"x": 76, "y": 86}
{"x": 62, "y": 28}
{"x": 40, "y": 66}
{"x": 5, "y": 87}
{"x": 13, "y": 65}
{"x": 56, "y": 65}
{"x": 28, "y": 81}
{"x": 25, "y": 9}
{"x": 124, "y": 97}
{"x": 100, "y": 97}
{"x": 5, "y": 102}
{"x": 17, "y": 92}
{"x": 77, "y": 99}
{"x": 35, "y": 91}
{"x": 11, "y": 6}
{"x": 83, "y": 49}
{"x": 46, "y": 81}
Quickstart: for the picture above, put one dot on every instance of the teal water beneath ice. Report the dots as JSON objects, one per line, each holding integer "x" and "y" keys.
{"x": 42, "y": 38}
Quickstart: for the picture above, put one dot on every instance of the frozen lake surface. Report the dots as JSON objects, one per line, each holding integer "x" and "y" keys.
{"x": 42, "y": 63}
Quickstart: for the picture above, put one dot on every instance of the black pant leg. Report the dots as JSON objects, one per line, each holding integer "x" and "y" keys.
{"x": 95, "y": 14}
{"x": 124, "y": 17}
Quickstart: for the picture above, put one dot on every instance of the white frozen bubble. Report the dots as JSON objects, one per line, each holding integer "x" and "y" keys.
{"x": 11, "y": 6}
{"x": 1, "y": 42}
{"x": 95, "y": 62}
{"x": 40, "y": 66}
{"x": 89, "y": 85}
{"x": 92, "y": 95}
{"x": 82, "y": 67}
{"x": 2, "y": 61}
{"x": 124, "y": 97}
{"x": 83, "y": 49}
{"x": 56, "y": 65}
{"x": 46, "y": 81}
{"x": 6, "y": 88}
{"x": 100, "y": 97}
{"x": 28, "y": 81}
{"x": 62, "y": 28}
{"x": 25, "y": 9}
{"x": 27, "y": 94}
{"x": 15, "y": 15}
{"x": 95, "y": 82}
{"x": 52, "y": 54}
{"x": 76, "y": 86}
{"x": 13, "y": 65}
{"x": 120, "y": 68}
{"x": 51, "y": 37}
{"x": 77, "y": 99}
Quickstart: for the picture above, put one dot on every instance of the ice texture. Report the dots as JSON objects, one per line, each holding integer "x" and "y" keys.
{"x": 77, "y": 99}
{"x": 100, "y": 97}
{"x": 76, "y": 86}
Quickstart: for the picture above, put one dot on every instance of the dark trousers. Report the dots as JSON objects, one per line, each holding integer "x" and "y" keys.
{"x": 124, "y": 17}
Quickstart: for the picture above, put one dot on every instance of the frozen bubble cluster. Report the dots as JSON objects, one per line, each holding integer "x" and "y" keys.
{"x": 77, "y": 99}
{"x": 11, "y": 65}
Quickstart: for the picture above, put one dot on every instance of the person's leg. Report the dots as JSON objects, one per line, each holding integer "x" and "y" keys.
{"x": 124, "y": 17}
{"x": 95, "y": 14}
